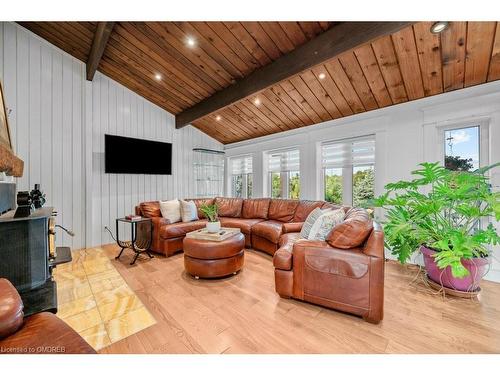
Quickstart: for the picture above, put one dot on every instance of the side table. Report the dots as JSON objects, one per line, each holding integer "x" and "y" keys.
{"x": 138, "y": 244}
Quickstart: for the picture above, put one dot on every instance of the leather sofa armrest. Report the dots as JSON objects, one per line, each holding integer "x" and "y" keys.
{"x": 374, "y": 245}
{"x": 329, "y": 264}
{"x": 292, "y": 227}
{"x": 158, "y": 222}
{"x": 282, "y": 259}
{"x": 11, "y": 309}
{"x": 324, "y": 250}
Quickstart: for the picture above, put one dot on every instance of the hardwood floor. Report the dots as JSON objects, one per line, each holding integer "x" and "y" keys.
{"x": 243, "y": 314}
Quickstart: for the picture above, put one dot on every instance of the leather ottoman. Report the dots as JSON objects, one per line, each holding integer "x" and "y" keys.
{"x": 211, "y": 259}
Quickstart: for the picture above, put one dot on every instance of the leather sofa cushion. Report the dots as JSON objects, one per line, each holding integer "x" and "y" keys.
{"x": 292, "y": 227}
{"x": 282, "y": 209}
{"x": 270, "y": 230}
{"x": 353, "y": 232}
{"x": 45, "y": 330}
{"x": 180, "y": 229}
{"x": 229, "y": 207}
{"x": 11, "y": 309}
{"x": 150, "y": 209}
{"x": 288, "y": 239}
{"x": 245, "y": 225}
{"x": 305, "y": 208}
{"x": 255, "y": 208}
{"x": 200, "y": 202}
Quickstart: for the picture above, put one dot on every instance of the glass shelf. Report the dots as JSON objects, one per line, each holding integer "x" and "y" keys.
{"x": 208, "y": 170}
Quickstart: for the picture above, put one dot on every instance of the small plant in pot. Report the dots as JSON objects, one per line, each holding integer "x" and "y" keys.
{"x": 439, "y": 213}
{"x": 211, "y": 212}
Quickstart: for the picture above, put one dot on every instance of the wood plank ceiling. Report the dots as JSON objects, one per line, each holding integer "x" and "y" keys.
{"x": 156, "y": 60}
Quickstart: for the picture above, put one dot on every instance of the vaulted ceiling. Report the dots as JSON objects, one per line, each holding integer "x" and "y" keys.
{"x": 179, "y": 65}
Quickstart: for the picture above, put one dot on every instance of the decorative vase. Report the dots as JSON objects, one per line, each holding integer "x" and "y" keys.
{"x": 477, "y": 267}
{"x": 213, "y": 226}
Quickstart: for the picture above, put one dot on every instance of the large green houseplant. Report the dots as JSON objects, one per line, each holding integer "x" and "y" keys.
{"x": 439, "y": 213}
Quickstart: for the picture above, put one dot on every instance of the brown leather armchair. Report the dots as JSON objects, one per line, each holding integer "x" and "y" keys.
{"x": 42, "y": 333}
{"x": 345, "y": 272}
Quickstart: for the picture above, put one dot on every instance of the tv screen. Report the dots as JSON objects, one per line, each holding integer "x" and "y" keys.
{"x": 137, "y": 156}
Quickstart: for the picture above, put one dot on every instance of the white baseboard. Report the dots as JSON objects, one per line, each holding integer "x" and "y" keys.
{"x": 493, "y": 275}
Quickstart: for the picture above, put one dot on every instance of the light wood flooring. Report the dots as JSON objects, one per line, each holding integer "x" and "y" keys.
{"x": 243, "y": 314}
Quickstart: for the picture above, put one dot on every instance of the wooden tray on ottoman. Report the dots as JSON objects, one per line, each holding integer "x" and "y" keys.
{"x": 224, "y": 233}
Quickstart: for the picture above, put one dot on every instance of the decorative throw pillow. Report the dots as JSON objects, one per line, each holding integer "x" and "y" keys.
{"x": 171, "y": 210}
{"x": 189, "y": 212}
{"x": 311, "y": 219}
{"x": 325, "y": 223}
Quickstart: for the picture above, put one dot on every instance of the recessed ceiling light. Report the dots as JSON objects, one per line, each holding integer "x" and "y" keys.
{"x": 190, "y": 42}
{"x": 439, "y": 27}
{"x": 321, "y": 75}
{"x": 158, "y": 76}
{"x": 218, "y": 118}
{"x": 256, "y": 101}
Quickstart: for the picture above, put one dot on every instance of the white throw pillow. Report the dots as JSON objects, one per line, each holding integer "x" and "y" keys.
{"x": 325, "y": 223}
{"x": 171, "y": 210}
{"x": 311, "y": 219}
{"x": 189, "y": 212}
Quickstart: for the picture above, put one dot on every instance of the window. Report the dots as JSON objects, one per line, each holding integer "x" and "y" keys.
{"x": 241, "y": 177}
{"x": 461, "y": 149}
{"x": 349, "y": 171}
{"x": 284, "y": 174}
{"x": 333, "y": 185}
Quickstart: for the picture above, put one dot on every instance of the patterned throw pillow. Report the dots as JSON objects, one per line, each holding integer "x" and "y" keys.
{"x": 325, "y": 223}
{"x": 311, "y": 219}
{"x": 189, "y": 212}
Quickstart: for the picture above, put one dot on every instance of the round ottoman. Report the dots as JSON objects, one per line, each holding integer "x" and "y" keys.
{"x": 210, "y": 259}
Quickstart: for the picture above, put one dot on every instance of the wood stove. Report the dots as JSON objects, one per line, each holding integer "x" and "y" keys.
{"x": 28, "y": 253}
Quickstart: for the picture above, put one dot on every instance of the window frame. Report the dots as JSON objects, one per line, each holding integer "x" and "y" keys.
{"x": 284, "y": 175}
{"x": 347, "y": 171}
{"x": 481, "y": 123}
{"x": 244, "y": 177}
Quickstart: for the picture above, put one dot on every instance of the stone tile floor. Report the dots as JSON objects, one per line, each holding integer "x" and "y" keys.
{"x": 95, "y": 300}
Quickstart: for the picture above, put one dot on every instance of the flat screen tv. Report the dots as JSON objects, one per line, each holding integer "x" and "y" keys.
{"x": 136, "y": 156}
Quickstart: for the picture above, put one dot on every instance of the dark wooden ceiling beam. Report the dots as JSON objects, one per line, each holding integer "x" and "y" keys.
{"x": 101, "y": 37}
{"x": 338, "y": 39}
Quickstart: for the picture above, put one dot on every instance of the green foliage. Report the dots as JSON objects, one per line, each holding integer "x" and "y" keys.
{"x": 211, "y": 211}
{"x": 456, "y": 163}
{"x": 249, "y": 185}
{"x": 295, "y": 187}
{"x": 363, "y": 187}
{"x": 441, "y": 209}
{"x": 276, "y": 185}
{"x": 237, "y": 185}
{"x": 333, "y": 189}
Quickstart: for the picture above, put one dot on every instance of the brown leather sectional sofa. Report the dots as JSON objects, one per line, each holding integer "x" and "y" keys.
{"x": 345, "y": 272}
{"x": 42, "y": 333}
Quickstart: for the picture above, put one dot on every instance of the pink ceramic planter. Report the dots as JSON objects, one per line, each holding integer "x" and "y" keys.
{"x": 477, "y": 267}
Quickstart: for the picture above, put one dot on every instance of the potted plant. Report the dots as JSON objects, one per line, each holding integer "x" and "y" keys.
{"x": 211, "y": 212}
{"x": 439, "y": 213}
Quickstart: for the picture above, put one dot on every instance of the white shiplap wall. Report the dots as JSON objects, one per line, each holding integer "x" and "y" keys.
{"x": 58, "y": 121}
{"x": 43, "y": 90}
{"x": 117, "y": 110}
